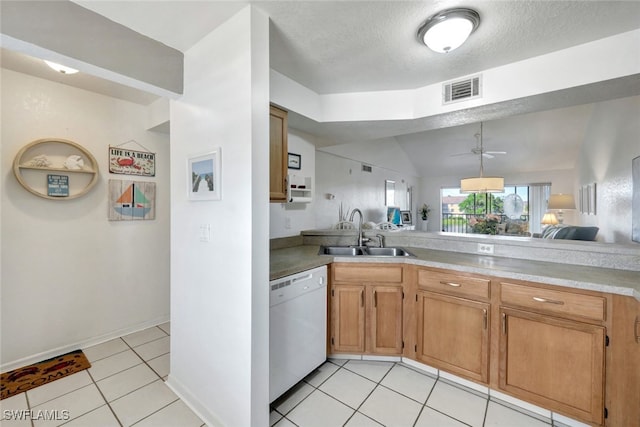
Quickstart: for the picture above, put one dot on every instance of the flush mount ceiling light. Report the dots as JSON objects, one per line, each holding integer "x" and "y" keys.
{"x": 61, "y": 68}
{"x": 482, "y": 184}
{"x": 447, "y": 30}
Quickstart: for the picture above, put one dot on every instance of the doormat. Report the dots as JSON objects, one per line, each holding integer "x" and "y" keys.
{"x": 28, "y": 377}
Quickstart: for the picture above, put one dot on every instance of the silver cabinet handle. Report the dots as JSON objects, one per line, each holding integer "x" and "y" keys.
{"x": 455, "y": 285}
{"x": 549, "y": 301}
{"x": 504, "y": 324}
{"x": 484, "y": 318}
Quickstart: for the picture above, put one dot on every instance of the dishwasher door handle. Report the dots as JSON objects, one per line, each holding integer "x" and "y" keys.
{"x": 297, "y": 279}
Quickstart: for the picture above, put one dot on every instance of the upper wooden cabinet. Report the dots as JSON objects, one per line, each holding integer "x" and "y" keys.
{"x": 278, "y": 151}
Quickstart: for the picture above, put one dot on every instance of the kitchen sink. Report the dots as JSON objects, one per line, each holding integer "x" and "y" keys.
{"x": 390, "y": 251}
{"x": 341, "y": 250}
{"x": 363, "y": 251}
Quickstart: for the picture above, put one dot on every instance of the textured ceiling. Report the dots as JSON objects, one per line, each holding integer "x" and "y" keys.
{"x": 351, "y": 46}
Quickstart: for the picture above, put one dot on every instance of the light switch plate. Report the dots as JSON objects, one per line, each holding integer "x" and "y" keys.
{"x": 205, "y": 233}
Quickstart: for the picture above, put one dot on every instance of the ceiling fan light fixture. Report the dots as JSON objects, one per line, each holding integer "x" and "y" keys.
{"x": 482, "y": 184}
{"x": 449, "y": 29}
{"x": 60, "y": 68}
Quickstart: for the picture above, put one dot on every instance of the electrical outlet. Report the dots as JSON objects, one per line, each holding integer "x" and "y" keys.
{"x": 287, "y": 222}
{"x": 486, "y": 249}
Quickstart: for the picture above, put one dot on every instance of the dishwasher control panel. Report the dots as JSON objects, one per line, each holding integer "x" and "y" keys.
{"x": 290, "y": 287}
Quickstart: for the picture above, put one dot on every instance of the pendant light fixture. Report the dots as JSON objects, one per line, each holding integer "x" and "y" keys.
{"x": 449, "y": 29}
{"x": 482, "y": 184}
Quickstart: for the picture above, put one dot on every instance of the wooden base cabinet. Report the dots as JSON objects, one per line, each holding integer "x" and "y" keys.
{"x": 347, "y": 318}
{"x": 453, "y": 335}
{"x": 366, "y": 317}
{"x": 555, "y": 363}
{"x": 386, "y": 319}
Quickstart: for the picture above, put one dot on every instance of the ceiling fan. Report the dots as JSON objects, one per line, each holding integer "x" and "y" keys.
{"x": 479, "y": 149}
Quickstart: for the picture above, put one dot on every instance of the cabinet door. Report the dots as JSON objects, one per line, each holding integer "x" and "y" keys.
{"x": 558, "y": 364}
{"x": 347, "y": 318}
{"x": 453, "y": 335}
{"x": 278, "y": 155}
{"x": 386, "y": 319}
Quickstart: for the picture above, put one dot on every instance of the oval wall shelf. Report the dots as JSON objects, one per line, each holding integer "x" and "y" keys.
{"x": 33, "y": 177}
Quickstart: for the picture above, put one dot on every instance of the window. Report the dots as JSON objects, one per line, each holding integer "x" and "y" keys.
{"x": 461, "y": 212}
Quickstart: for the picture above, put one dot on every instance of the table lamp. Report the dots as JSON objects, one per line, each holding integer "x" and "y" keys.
{"x": 549, "y": 218}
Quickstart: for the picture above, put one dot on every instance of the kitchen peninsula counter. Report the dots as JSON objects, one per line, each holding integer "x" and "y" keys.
{"x": 295, "y": 259}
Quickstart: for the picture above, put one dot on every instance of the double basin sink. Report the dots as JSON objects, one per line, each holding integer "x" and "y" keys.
{"x": 364, "y": 251}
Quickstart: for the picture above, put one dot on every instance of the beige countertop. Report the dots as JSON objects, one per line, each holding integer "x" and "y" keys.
{"x": 295, "y": 259}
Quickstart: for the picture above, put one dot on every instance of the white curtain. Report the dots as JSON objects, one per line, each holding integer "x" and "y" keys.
{"x": 538, "y": 198}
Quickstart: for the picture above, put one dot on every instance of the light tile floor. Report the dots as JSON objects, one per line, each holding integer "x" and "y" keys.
{"x": 358, "y": 393}
{"x": 124, "y": 387}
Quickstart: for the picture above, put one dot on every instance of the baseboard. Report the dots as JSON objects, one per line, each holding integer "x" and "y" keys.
{"x": 90, "y": 342}
{"x": 193, "y": 403}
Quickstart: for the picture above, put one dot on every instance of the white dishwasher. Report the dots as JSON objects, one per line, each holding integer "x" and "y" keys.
{"x": 297, "y": 328}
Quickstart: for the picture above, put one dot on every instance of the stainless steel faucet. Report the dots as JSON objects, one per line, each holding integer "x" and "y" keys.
{"x": 353, "y": 212}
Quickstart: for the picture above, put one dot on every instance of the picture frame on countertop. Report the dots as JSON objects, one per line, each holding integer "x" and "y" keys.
{"x": 393, "y": 215}
{"x": 405, "y": 218}
{"x": 204, "y": 176}
{"x": 294, "y": 161}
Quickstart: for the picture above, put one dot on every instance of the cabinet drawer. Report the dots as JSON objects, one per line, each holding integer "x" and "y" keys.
{"x": 556, "y": 302}
{"x": 474, "y": 287}
{"x": 367, "y": 273}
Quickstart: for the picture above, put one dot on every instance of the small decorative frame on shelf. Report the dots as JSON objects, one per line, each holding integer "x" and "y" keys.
{"x": 204, "y": 180}
{"x": 294, "y": 161}
{"x": 405, "y": 217}
{"x": 55, "y": 169}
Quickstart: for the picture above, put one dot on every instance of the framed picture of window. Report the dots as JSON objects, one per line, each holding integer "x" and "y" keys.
{"x": 405, "y": 217}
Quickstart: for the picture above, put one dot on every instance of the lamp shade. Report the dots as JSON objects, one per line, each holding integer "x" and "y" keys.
{"x": 482, "y": 184}
{"x": 549, "y": 219}
{"x": 561, "y": 201}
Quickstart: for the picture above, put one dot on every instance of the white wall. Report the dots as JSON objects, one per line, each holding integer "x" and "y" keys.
{"x": 289, "y": 219}
{"x": 343, "y": 177}
{"x": 219, "y": 289}
{"x": 70, "y": 277}
{"x": 612, "y": 141}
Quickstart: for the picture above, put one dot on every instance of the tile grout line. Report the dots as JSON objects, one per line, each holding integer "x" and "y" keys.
{"x": 29, "y": 408}
{"x": 424, "y": 405}
{"x": 154, "y": 412}
{"x": 141, "y": 358}
{"x": 370, "y": 393}
{"x": 105, "y": 399}
{"x": 486, "y": 410}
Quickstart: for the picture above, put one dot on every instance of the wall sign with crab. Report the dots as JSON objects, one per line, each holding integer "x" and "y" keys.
{"x": 131, "y": 162}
